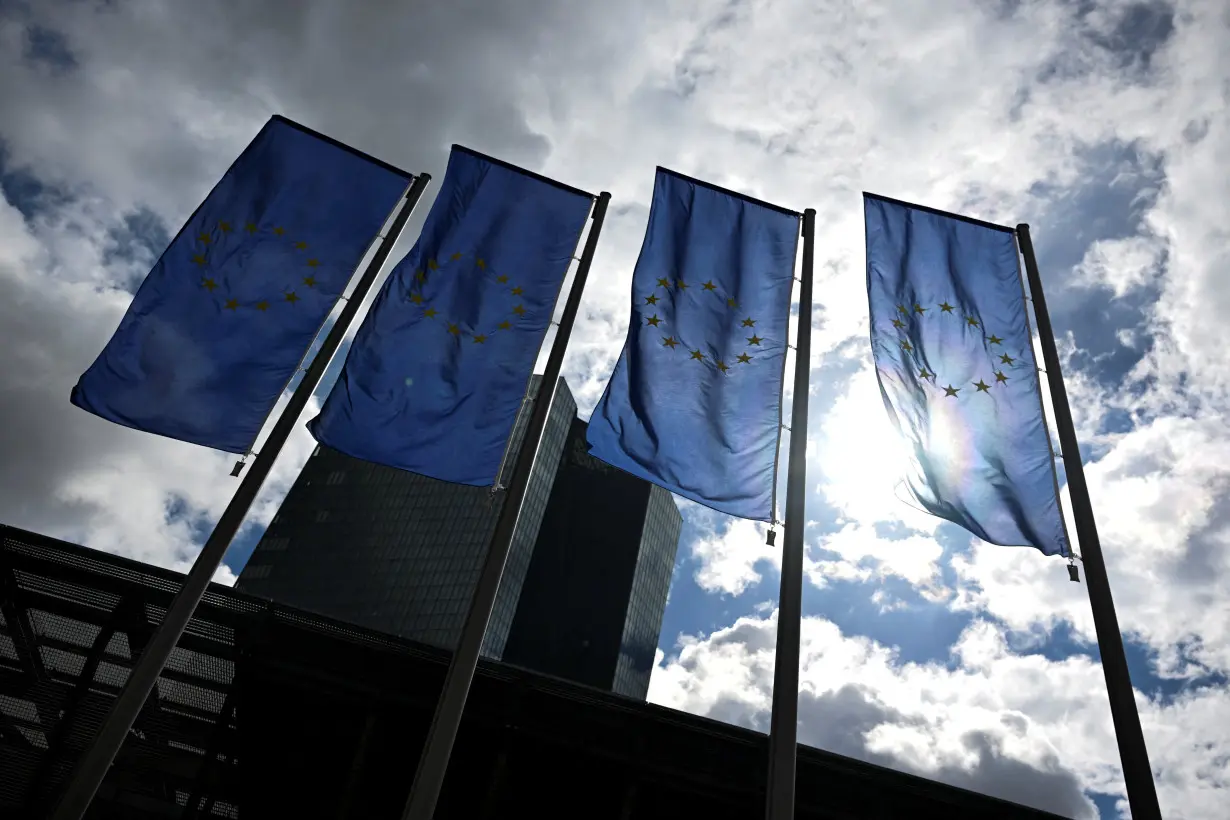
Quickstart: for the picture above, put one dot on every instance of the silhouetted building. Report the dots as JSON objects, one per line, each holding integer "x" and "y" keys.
{"x": 399, "y": 552}
{"x": 269, "y": 711}
{"x": 592, "y": 601}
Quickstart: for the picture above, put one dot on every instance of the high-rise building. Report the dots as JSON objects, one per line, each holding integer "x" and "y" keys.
{"x": 592, "y": 601}
{"x": 399, "y": 552}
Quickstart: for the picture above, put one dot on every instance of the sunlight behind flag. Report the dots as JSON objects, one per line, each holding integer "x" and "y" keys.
{"x": 438, "y": 370}
{"x": 694, "y": 403}
{"x": 954, "y": 357}
{"x": 219, "y": 325}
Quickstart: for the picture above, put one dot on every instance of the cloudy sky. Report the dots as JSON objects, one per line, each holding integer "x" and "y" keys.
{"x": 1105, "y": 125}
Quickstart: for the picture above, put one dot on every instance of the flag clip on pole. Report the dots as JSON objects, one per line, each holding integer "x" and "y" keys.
{"x": 1134, "y": 757}
{"x": 433, "y": 762}
{"x": 97, "y": 759}
{"x": 783, "y": 731}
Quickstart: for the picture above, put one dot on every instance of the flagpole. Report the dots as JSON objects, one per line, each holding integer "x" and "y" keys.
{"x": 1134, "y": 757}
{"x": 433, "y": 762}
{"x": 783, "y": 728}
{"x": 93, "y": 765}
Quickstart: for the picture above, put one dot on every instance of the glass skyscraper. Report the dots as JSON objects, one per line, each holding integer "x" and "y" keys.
{"x": 592, "y": 602}
{"x": 399, "y": 552}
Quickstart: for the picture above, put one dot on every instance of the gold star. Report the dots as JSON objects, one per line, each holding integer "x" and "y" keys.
{"x": 455, "y": 257}
{"x": 951, "y": 391}
{"x": 430, "y": 312}
{"x": 517, "y": 291}
{"x": 907, "y": 347}
{"x": 651, "y": 299}
{"x": 919, "y": 309}
{"x": 682, "y": 284}
{"x": 433, "y": 264}
{"x": 982, "y": 386}
{"x": 731, "y": 303}
{"x": 291, "y": 297}
{"x": 1006, "y": 359}
{"x": 721, "y": 366}
{"x": 670, "y": 342}
{"x": 502, "y": 278}
{"x": 696, "y": 354}
{"x": 903, "y": 310}
{"x": 198, "y": 259}
{"x": 519, "y": 310}
{"x": 749, "y": 322}
{"x": 262, "y": 305}
{"x": 232, "y": 304}
{"x": 971, "y": 321}
{"x": 504, "y": 325}
{"x": 945, "y": 307}
{"x": 278, "y": 231}
{"x": 1000, "y": 377}
{"x": 994, "y": 340}
{"x": 925, "y": 375}
{"x": 709, "y": 285}
{"x": 209, "y": 284}
{"x": 313, "y": 263}
{"x": 420, "y": 276}
{"x": 479, "y": 339}
{"x": 897, "y": 323}
{"x": 301, "y": 245}
{"x": 417, "y": 298}
{"x": 225, "y": 227}
{"x": 453, "y": 329}
{"x": 310, "y": 281}
{"x": 754, "y": 339}
{"x": 744, "y": 358}
{"x": 653, "y": 320}
{"x": 481, "y": 264}
{"x": 204, "y": 238}
{"x": 250, "y": 227}
{"x": 664, "y": 283}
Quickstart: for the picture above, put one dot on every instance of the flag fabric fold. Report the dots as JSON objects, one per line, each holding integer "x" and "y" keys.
{"x": 439, "y": 368}
{"x": 694, "y": 402}
{"x": 954, "y": 357}
{"x": 219, "y": 325}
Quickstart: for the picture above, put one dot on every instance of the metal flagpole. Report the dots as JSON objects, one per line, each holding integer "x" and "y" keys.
{"x": 93, "y": 766}
{"x": 1134, "y": 757}
{"x": 783, "y": 729}
{"x": 433, "y": 763}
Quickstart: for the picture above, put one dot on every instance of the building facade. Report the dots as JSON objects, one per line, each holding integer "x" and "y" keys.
{"x": 592, "y": 601}
{"x": 400, "y": 552}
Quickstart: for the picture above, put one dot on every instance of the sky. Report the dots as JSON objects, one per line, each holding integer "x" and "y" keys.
{"x": 1104, "y": 125}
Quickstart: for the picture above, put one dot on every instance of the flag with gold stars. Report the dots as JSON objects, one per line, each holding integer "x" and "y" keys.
{"x": 694, "y": 403}
{"x": 439, "y": 367}
{"x": 220, "y": 324}
{"x": 954, "y": 355}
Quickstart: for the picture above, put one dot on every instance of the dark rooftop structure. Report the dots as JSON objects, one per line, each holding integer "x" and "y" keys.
{"x": 266, "y": 711}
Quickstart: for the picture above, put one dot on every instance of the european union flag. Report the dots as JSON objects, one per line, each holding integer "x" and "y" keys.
{"x": 955, "y": 360}
{"x": 694, "y": 404}
{"x": 219, "y": 325}
{"x": 437, "y": 371}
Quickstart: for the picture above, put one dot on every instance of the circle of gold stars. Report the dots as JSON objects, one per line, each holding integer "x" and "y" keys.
{"x": 706, "y": 289}
{"x": 905, "y": 312}
{"x": 207, "y": 240}
{"x": 439, "y": 266}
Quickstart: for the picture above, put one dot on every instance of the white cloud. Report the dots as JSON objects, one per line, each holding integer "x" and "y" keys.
{"x": 729, "y": 557}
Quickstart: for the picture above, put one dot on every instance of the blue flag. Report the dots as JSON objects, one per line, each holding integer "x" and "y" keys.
{"x": 219, "y": 325}
{"x": 955, "y": 360}
{"x": 694, "y": 404}
{"x": 437, "y": 371}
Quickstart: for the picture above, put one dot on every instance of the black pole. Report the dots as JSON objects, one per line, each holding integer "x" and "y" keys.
{"x": 1134, "y": 757}
{"x": 784, "y": 726}
{"x": 433, "y": 763}
{"x": 93, "y": 766}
